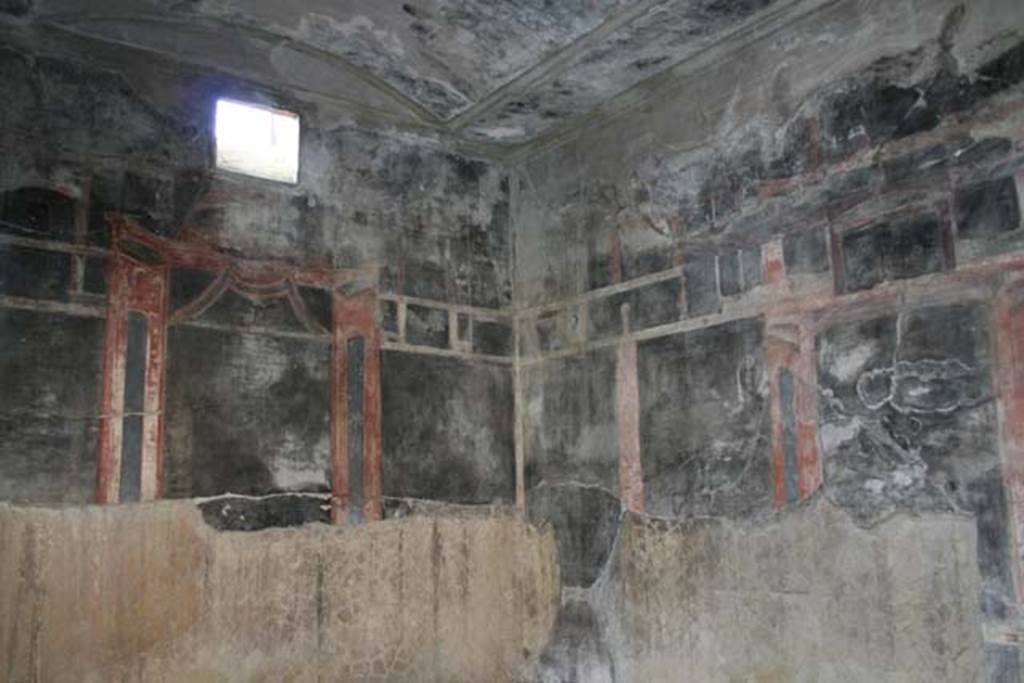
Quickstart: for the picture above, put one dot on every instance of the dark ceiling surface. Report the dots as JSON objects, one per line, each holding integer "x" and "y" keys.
{"x": 494, "y": 71}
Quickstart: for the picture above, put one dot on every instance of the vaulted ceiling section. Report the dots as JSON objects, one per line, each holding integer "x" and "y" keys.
{"x": 494, "y": 71}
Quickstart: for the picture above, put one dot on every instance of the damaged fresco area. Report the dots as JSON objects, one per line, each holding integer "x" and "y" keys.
{"x": 718, "y": 588}
{"x": 662, "y": 35}
{"x": 805, "y": 596}
{"x": 570, "y": 430}
{"x": 500, "y": 73}
{"x": 446, "y": 55}
{"x": 712, "y": 599}
{"x": 705, "y": 423}
{"x": 572, "y": 461}
{"x": 780, "y": 151}
{"x": 435, "y": 220}
{"x": 438, "y": 57}
{"x": 908, "y": 423}
{"x": 447, "y": 429}
{"x": 572, "y": 487}
{"x": 51, "y": 370}
{"x": 246, "y": 414}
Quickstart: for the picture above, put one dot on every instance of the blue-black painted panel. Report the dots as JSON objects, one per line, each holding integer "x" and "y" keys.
{"x": 786, "y": 400}
{"x": 134, "y": 404}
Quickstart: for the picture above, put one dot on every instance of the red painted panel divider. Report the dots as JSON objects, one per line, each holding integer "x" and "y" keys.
{"x": 355, "y": 316}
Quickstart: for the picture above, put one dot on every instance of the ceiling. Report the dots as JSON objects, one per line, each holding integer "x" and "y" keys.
{"x": 494, "y": 71}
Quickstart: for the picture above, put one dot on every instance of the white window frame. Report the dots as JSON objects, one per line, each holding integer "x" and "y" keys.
{"x": 235, "y": 140}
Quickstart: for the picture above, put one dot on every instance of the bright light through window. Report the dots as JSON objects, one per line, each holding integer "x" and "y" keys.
{"x": 257, "y": 141}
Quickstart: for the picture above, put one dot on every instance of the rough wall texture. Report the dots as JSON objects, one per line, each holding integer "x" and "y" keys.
{"x": 807, "y": 597}
{"x": 800, "y": 249}
{"x": 149, "y": 593}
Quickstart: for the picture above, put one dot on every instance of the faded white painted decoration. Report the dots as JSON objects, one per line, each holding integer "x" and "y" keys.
{"x": 257, "y": 141}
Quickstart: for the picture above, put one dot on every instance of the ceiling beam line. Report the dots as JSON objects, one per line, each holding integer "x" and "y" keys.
{"x": 548, "y": 67}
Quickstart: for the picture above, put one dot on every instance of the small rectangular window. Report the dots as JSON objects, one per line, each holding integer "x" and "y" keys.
{"x": 257, "y": 141}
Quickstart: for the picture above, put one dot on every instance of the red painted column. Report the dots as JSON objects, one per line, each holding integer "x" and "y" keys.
{"x": 790, "y": 347}
{"x": 780, "y": 353}
{"x": 355, "y": 317}
{"x": 1010, "y": 389}
{"x": 141, "y": 288}
{"x": 806, "y": 373}
{"x": 631, "y": 482}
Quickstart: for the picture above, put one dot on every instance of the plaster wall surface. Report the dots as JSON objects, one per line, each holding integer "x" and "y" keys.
{"x": 800, "y": 248}
{"x": 809, "y": 596}
{"x": 150, "y": 593}
{"x": 434, "y": 219}
{"x": 811, "y": 123}
{"x": 89, "y": 133}
{"x": 764, "y": 305}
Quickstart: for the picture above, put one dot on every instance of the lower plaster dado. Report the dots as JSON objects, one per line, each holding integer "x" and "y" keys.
{"x": 150, "y": 593}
